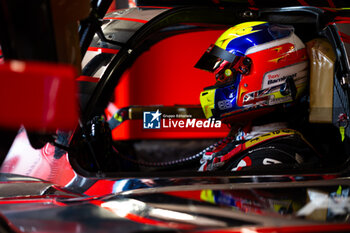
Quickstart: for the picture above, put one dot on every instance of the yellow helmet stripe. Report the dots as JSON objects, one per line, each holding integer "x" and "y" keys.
{"x": 237, "y": 31}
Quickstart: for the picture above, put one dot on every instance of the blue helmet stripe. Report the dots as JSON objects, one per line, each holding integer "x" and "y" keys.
{"x": 240, "y": 45}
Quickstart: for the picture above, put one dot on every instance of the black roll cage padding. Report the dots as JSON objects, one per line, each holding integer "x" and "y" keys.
{"x": 91, "y": 25}
{"x": 224, "y": 16}
{"x": 103, "y": 38}
{"x": 321, "y": 17}
{"x": 341, "y": 68}
{"x": 340, "y": 51}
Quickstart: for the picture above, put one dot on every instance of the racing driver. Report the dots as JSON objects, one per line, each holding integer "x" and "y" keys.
{"x": 261, "y": 73}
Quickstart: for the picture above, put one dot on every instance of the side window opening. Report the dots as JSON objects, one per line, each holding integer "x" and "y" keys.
{"x": 159, "y": 82}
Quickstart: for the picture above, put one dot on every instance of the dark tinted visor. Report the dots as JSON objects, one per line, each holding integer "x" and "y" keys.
{"x": 213, "y": 57}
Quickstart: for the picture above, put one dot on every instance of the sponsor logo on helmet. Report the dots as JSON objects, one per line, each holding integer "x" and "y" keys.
{"x": 279, "y": 80}
{"x": 279, "y": 76}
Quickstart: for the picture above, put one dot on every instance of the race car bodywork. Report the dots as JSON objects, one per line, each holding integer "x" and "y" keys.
{"x": 236, "y": 204}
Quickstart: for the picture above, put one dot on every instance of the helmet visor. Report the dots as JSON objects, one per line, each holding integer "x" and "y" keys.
{"x": 213, "y": 58}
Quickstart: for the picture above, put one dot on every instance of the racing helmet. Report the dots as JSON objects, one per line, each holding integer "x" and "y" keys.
{"x": 257, "y": 65}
